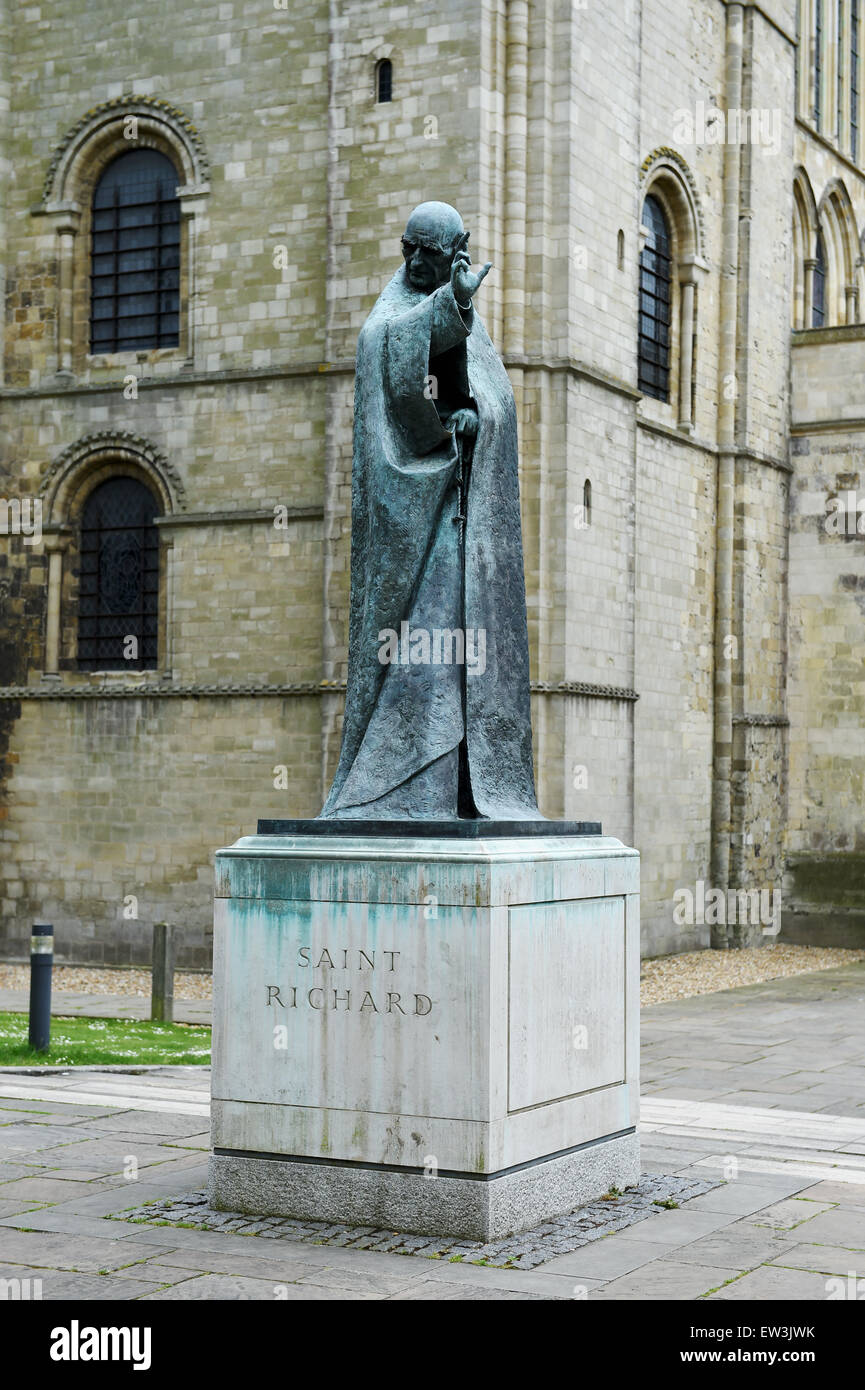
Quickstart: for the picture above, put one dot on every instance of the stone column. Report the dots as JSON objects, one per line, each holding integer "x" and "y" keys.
{"x": 851, "y": 303}
{"x": 686, "y": 356}
{"x": 722, "y": 719}
{"x": 54, "y": 548}
{"x": 690, "y": 270}
{"x": 808, "y": 306}
{"x": 191, "y": 208}
{"x": 66, "y": 226}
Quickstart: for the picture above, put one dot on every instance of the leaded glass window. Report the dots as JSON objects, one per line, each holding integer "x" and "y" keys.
{"x": 818, "y": 61}
{"x": 818, "y": 297}
{"x": 854, "y": 78}
{"x": 656, "y": 302}
{"x": 135, "y": 255}
{"x": 119, "y": 578}
{"x": 841, "y": 51}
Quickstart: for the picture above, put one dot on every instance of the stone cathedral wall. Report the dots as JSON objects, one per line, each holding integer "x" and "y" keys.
{"x": 544, "y": 123}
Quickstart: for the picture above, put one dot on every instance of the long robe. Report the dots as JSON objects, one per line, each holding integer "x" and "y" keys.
{"x": 404, "y": 720}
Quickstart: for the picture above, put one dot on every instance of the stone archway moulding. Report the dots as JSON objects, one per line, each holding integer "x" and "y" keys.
{"x": 103, "y": 124}
{"x": 124, "y": 123}
{"x": 70, "y": 470}
{"x": 665, "y": 159}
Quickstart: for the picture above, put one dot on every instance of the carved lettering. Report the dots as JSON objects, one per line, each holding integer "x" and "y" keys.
{"x": 345, "y": 1000}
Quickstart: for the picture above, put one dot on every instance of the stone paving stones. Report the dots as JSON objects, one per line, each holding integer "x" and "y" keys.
{"x": 771, "y": 1282}
{"x": 670, "y": 1278}
{"x": 233, "y": 1286}
{"x": 824, "y": 1259}
{"x": 726, "y": 1240}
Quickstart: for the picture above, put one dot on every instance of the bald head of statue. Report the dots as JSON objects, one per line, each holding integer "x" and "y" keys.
{"x": 431, "y": 237}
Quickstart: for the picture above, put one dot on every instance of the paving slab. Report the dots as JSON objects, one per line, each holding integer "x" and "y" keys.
{"x": 770, "y": 1282}
{"x": 147, "y": 1122}
{"x": 80, "y": 1252}
{"x": 436, "y": 1290}
{"x": 607, "y": 1259}
{"x": 58, "y": 1285}
{"x": 677, "y": 1227}
{"x": 22, "y": 1137}
{"x": 846, "y": 1228}
{"x": 825, "y": 1259}
{"x": 664, "y": 1279}
{"x": 47, "y": 1189}
{"x": 207, "y": 1287}
{"x": 744, "y": 1196}
{"x": 787, "y": 1215}
{"x": 736, "y": 1247}
{"x": 19, "y": 1208}
{"x": 61, "y": 1219}
{"x": 844, "y": 1194}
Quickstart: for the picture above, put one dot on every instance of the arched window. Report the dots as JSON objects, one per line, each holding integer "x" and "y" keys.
{"x": 119, "y": 583}
{"x": 135, "y": 255}
{"x": 384, "y": 80}
{"x": 587, "y": 503}
{"x": 620, "y": 249}
{"x": 656, "y": 299}
{"x": 818, "y": 293}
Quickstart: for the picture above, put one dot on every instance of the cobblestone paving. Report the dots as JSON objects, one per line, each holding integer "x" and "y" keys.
{"x": 524, "y": 1251}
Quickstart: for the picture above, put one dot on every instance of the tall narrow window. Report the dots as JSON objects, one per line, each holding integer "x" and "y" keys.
{"x": 587, "y": 503}
{"x": 854, "y": 78}
{"x": 656, "y": 300}
{"x": 384, "y": 80}
{"x": 119, "y": 585}
{"x": 818, "y": 301}
{"x": 135, "y": 260}
{"x": 818, "y": 61}
{"x": 841, "y": 47}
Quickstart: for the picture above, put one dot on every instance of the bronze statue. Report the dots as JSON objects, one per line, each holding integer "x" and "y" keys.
{"x": 437, "y": 718}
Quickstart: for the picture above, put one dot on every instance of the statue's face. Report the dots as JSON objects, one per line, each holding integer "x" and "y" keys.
{"x": 427, "y": 263}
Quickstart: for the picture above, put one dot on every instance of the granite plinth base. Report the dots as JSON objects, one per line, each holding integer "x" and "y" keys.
{"x": 469, "y": 1205}
{"x": 431, "y": 829}
{"x": 386, "y": 1009}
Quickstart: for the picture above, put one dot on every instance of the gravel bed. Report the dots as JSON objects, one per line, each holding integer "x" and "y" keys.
{"x": 92, "y": 979}
{"x": 707, "y": 972}
{"x": 664, "y": 979}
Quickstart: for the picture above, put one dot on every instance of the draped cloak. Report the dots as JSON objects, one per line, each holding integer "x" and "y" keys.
{"x": 404, "y": 720}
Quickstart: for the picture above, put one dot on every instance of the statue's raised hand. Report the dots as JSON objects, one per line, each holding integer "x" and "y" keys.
{"x": 464, "y": 281}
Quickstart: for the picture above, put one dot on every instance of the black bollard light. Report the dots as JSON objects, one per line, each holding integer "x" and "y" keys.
{"x": 41, "y": 961}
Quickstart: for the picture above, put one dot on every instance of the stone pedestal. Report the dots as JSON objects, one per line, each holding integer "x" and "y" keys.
{"x": 424, "y": 1034}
